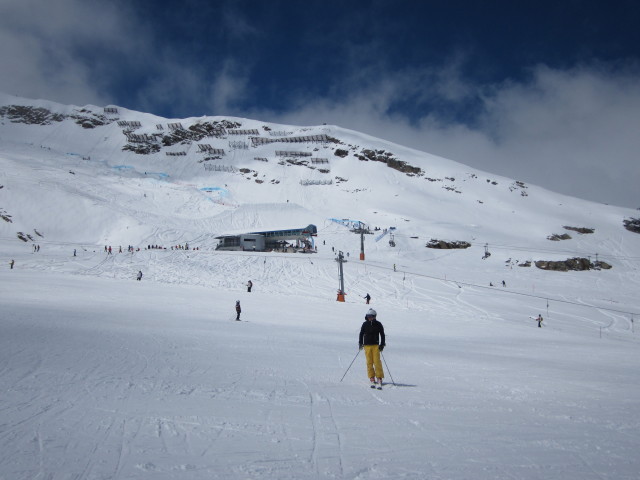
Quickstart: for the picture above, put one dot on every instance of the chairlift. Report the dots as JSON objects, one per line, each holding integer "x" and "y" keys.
{"x": 487, "y": 254}
{"x": 392, "y": 242}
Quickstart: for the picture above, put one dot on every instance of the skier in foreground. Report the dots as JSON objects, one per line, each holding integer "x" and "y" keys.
{"x": 373, "y": 341}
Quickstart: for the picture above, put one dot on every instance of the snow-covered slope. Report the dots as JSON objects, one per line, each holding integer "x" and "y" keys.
{"x": 162, "y": 384}
{"x": 443, "y": 198}
{"x": 90, "y": 176}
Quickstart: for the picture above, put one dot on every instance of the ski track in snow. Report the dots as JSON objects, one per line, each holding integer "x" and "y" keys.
{"x": 105, "y": 377}
{"x": 105, "y": 417}
{"x": 157, "y": 394}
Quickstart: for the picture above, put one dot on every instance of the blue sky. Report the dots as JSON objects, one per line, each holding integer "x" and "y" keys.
{"x": 546, "y": 92}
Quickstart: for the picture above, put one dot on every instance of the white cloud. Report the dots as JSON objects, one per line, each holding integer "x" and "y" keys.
{"x": 228, "y": 87}
{"x": 38, "y": 41}
{"x": 72, "y": 52}
{"x": 572, "y": 131}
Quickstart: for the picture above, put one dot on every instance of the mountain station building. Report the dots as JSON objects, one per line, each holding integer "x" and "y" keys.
{"x": 299, "y": 239}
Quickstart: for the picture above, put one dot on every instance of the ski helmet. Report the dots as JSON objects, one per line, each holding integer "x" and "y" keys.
{"x": 371, "y": 313}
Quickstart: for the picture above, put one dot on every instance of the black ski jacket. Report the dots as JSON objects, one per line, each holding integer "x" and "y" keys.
{"x": 370, "y": 332}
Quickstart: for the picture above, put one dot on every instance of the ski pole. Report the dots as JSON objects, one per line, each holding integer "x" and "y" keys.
{"x": 387, "y": 366}
{"x": 354, "y": 359}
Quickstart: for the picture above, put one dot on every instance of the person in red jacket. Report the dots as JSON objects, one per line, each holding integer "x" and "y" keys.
{"x": 372, "y": 339}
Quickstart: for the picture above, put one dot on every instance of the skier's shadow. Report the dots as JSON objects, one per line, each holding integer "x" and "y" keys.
{"x": 399, "y": 384}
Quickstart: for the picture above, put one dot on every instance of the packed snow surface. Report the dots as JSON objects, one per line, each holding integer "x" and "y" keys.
{"x": 106, "y": 377}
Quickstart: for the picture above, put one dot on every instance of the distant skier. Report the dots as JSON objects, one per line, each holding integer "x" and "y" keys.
{"x": 74, "y": 252}
{"x": 503, "y": 283}
{"x": 139, "y": 277}
{"x": 11, "y": 263}
{"x": 367, "y": 297}
{"x": 372, "y": 339}
{"x": 238, "y": 310}
{"x": 539, "y": 320}
{"x": 249, "y": 285}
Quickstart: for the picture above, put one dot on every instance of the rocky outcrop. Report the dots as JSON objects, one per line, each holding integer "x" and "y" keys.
{"x": 577, "y": 264}
{"x": 87, "y": 119}
{"x": 389, "y": 159}
{"x": 198, "y": 131}
{"x": 580, "y": 230}
{"x": 30, "y": 115}
{"x": 42, "y": 116}
{"x": 142, "y": 148}
{"x": 632, "y": 224}
{"x": 556, "y": 237}
{"x": 444, "y": 245}
{"x": 341, "y": 153}
{"x": 519, "y": 186}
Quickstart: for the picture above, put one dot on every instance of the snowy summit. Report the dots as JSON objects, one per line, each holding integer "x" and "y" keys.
{"x": 127, "y": 240}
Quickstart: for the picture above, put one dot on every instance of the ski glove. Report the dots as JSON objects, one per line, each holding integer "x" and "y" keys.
{"x": 381, "y": 347}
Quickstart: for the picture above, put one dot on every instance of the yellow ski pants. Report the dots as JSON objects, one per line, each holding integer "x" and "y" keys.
{"x": 374, "y": 365}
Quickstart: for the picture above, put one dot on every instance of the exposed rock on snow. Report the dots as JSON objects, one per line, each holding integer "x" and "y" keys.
{"x": 632, "y": 224}
{"x": 341, "y": 153}
{"x": 556, "y": 237}
{"x": 30, "y": 115}
{"x": 442, "y": 244}
{"x": 42, "y": 116}
{"x": 389, "y": 159}
{"x": 580, "y": 230}
{"x": 575, "y": 264}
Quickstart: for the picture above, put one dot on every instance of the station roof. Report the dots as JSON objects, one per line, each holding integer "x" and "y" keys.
{"x": 286, "y": 232}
